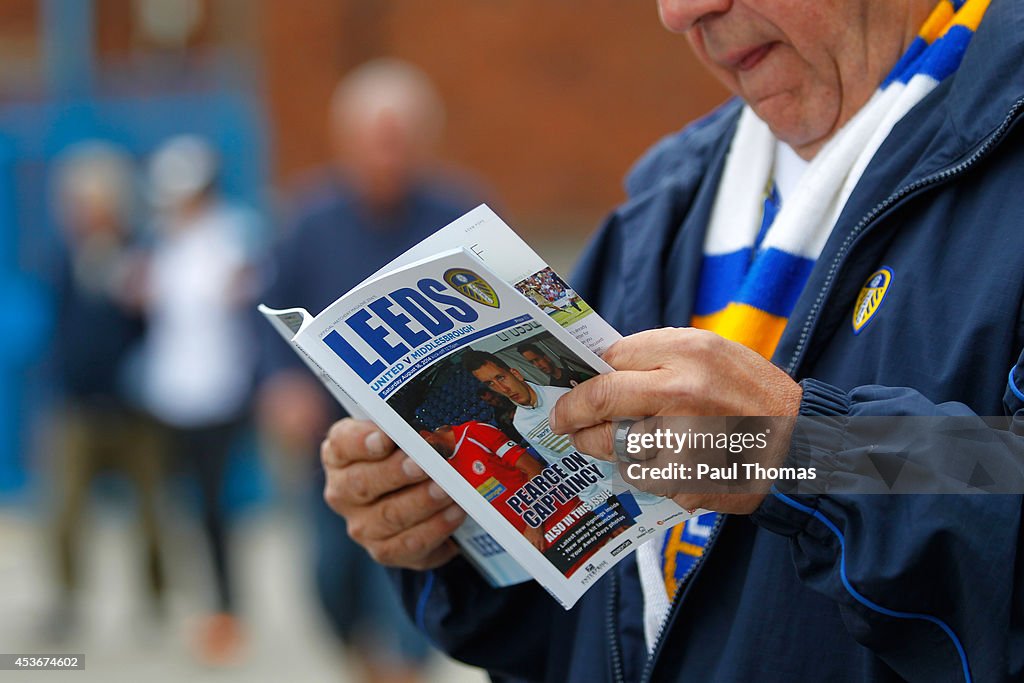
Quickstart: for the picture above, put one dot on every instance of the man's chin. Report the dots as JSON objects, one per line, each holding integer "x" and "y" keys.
{"x": 801, "y": 127}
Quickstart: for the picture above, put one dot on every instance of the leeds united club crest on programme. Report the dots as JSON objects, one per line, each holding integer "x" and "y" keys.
{"x": 472, "y": 286}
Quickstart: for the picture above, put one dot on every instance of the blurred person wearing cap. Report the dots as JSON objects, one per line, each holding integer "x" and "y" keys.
{"x": 198, "y": 358}
{"x": 383, "y": 194}
{"x": 99, "y": 327}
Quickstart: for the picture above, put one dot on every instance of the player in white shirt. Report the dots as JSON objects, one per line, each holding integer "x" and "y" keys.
{"x": 533, "y": 406}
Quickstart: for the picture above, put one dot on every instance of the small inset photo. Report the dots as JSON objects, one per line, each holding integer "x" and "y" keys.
{"x": 552, "y": 295}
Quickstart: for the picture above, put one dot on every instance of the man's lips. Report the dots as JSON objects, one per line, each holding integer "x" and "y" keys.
{"x": 747, "y": 58}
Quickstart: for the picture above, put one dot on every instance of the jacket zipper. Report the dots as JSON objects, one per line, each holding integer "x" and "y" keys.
{"x": 798, "y": 353}
{"x": 869, "y": 218}
{"x": 677, "y": 599}
{"x": 618, "y": 676}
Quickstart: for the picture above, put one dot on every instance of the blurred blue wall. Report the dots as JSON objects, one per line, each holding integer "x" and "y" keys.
{"x": 228, "y": 112}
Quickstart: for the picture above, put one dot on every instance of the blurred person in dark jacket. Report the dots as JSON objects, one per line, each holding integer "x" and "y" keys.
{"x": 372, "y": 204}
{"x": 198, "y": 360}
{"x": 98, "y": 328}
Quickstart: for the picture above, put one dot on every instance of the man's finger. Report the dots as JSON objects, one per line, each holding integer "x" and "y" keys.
{"x": 415, "y": 547}
{"x": 352, "y": 440}
{"x": 596, "y": 441}
{"x": 645, "y": 350}
{"x": 402, "y": 510}
{"x": 659, "y": 487}
{"x": 361, "y": 483}
{"x": 441, "y": 555}
{"x": 691, "y": 502}
{"x": 606, "y": 398}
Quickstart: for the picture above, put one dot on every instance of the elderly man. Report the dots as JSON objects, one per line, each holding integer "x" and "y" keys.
{"x": 847, "y": 235}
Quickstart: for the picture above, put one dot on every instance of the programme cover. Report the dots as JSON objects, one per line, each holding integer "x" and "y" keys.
{"x": 432, "y": 350}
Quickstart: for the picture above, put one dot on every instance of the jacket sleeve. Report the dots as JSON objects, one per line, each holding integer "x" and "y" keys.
{"x": 927, "y": 581}
{"x": 511, "y": 632}
{"x": 597, "y": 269}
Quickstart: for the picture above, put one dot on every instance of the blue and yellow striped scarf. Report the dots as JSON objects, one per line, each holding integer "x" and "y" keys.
{"x": 755, "y": 264}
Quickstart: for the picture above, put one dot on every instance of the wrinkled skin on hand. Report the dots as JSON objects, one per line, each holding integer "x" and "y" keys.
{"x": 390, "y": 505}
{"x": 680, "y": 372}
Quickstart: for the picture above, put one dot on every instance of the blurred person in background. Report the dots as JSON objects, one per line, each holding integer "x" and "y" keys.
{"x": 198, "y": 360}
{"x": 98, "y": 328}
{"x": 372, "y": 204}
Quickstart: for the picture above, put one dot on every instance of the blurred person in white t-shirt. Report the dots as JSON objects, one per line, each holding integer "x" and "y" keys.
{"x": 198, "y": 359}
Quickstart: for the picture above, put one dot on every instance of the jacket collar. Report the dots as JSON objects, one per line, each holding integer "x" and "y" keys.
{"x": 941, "y": 131}
{"x": 990, "y": 78}
{"x": 659, "y": 232}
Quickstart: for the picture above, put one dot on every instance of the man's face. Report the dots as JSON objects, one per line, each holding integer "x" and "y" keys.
{"x": 442, "y": 439}
{"x": 541, "y": 362}
{"x": 804, "y": 67}
{"x": 382, "y": 151}
{"x": 508, "y": 383}
{"x": 92, "y": 212}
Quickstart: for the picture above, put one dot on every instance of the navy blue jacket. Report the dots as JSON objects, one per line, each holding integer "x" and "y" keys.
{"x": 94, "y": 339}
{"x": 870, "y": 588}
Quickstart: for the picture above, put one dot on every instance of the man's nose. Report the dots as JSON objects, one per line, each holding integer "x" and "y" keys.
{"x": 679, "y": 16}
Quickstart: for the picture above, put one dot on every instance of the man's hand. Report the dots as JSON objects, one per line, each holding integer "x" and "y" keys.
{"x": 679, "y": 372}
{"x": 393, "y": 510}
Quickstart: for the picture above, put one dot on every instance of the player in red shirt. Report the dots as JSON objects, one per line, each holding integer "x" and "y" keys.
{"x": 496, "y": 466}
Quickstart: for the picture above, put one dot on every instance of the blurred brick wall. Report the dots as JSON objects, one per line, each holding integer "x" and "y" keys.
{"x": 550, "y": 101}
{"x": 20, "y": 45}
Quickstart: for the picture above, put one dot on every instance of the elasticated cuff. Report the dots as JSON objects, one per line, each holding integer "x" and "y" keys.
{"x": 1013, "y": 399}
{"x": 815, "y": 442}
{"x": 823, "y": 400}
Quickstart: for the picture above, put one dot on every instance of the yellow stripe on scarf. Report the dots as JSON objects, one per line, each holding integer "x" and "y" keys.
{"x": 969, "y": 15}
{"x": 673, "y": 547}
{"x": 945, "y": 17}
{"x": 938, "y": 22}
{"x": 746, "y": 325}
